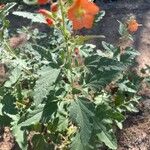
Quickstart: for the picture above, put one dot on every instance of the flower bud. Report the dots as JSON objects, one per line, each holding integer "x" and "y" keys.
{"x": 45, "y": 13}
{"x": 54, "y": 7}
{"x": 76, "y": 51}
{"x": 49, "y": 21}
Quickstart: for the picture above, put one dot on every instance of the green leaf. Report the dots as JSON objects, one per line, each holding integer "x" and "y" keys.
{"x": 128, "y": 56}
{"x": 122, "y": 29}
{"x": 18, "y": 133}
{"x": 81, "y": 113}
{"x": 77, "y": 143}
{"x": 39, "y": 143}
{"x": 62, "y": 123}
{"x": 87, "y": 49}
{"x": 100, "y": 16}
{"x": 103, "y": 63}
{"x": 108, "y": 47}
{"x": 127, "y": 88}
{"x": 119, "y": 99}
{"x": 1, "y": 106}
{"x": 5, "y": 121}
{"x": 45, "y": 83}
{"x": 13, "y": 78}
{"x": 131, "y": 108}
{"x": 9, "y": 106}
{"x": 105, "y": 135}
{"x": 49, "y": 109}
{"x": 7, "y": 8}
{"x": 100, "y": 79}
{"x": 108, "y": 139}
{"x": 30, "y": 2}
{"x": 33, "y": 116}
{"x": 34, "y": 17}
{"x": 102, "y": 71}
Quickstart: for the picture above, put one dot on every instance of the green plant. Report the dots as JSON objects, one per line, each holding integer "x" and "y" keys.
{"x": 65, "y": 94}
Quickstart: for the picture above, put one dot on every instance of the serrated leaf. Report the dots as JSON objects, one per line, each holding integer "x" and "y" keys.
{"x": 102, "y": 71}
{"x": 108, "y": 139}
{"x": 44, "y": 84}
{"x": 131, "y": 108}
{"x": 7, "y": 7}
{"x": 108, "y": 47}
{"x": 39, "y": 143}
{"x": 34, "y": 17}
{"x": 49, "y": 109}
{"x": 103, "y": 63}
{"x": 128, "y": 56}
{"x": 9, "y": 106}
{"x": 33, "y": 116}
{"x": 124, "y": 87}
{"x": 77, "y": 143}
{"x": 62, "y": 123}
{"x": 19, "y": 136}
{"x": 13, "y": 78}
{"x": 111, "y": 51}
{"x": 18, "y": 133}
{"x": 122, "y": 28}
{"x": 30, "y": 2}
{"x": 119, "y": 124}
{"x": 100, "y": 16}
{"x": 81, "y": 112}
{"x": 105, "y": 135}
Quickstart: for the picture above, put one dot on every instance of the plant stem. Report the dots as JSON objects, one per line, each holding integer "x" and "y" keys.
{"x": 64, "y": 31}
{"x": 65, "y": 34}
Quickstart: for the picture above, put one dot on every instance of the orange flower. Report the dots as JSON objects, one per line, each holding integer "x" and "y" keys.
{"x": 82, "y": 13}
{"x": 43, "y": 2}
{"x": 132, "y": 25}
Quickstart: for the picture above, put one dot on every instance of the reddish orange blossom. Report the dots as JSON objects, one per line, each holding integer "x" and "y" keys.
{"x": 82, "y": 13}
{"x": 132, "y": 25}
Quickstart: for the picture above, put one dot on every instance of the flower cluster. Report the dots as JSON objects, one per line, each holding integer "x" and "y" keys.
{"x": 81, "y": 13}
{"x": 49, "y": 14}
